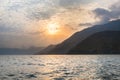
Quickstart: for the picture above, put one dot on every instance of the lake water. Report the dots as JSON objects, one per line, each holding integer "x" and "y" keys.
{"x": 60, "y": 67}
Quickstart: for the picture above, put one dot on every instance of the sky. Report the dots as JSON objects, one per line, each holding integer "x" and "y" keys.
{"x": 28, "y": 23}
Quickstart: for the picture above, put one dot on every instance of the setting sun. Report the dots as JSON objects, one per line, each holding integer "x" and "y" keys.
{"x": 53, "y": 28}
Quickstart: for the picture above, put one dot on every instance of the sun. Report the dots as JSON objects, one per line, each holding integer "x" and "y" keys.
{"x": 53, "y": 28}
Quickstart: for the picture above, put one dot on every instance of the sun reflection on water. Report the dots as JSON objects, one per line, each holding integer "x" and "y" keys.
{"x": 57, "y": 66}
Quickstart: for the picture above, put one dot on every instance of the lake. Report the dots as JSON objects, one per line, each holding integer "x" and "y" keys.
{"x": 60, "y": 67}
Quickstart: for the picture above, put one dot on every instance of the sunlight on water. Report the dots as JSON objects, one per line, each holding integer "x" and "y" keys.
{"x": 60, "y": 67}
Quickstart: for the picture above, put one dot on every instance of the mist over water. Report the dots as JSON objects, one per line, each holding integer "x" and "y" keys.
{"x": 60, "y": 67}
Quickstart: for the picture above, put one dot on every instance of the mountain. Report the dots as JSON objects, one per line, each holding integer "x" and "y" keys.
{"x": 99, "y": 43}
{"x": 78, "y": 37}
{"x": 17, "y": 51}
{"x": 47, "y": 49}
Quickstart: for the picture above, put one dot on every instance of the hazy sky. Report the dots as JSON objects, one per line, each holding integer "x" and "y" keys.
{"x": 24, "y": 23}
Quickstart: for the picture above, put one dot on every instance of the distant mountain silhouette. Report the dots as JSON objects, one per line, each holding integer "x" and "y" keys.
{"x": 70, "y": 43}
{"x": 99, "y": 43}
{"x": 17, "y": 51}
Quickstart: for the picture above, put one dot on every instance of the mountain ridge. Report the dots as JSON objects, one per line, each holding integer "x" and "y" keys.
{"x": 99, "y": 43}
{"x": 78, "y": 37}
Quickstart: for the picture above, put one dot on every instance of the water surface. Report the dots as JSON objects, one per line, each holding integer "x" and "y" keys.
{"x": 60, "y": 67}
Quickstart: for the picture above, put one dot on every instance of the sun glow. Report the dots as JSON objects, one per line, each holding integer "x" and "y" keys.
{"x": 53, "y": 28}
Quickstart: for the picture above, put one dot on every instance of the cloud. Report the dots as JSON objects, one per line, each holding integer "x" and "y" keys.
{"x": 115, "y": 10}
{"x": 65, "y": 3}
{"x": 85, "y": 24}
{"x": 105, "y": 15}
{"x": 37, "y": 33}
{"x": 22, "y": 22}
{"x": 40, "y": 15}
{"x": 73, "y": 3}
{"x": 41, "y": 9}
{"x": 74, "y": 18}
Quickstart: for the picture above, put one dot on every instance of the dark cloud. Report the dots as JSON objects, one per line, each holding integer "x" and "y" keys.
{"x": 103, "y": 14}
{"x": 106, "y": 15}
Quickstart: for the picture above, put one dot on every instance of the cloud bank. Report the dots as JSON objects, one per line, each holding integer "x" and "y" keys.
{"x": 105, "y": 15}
